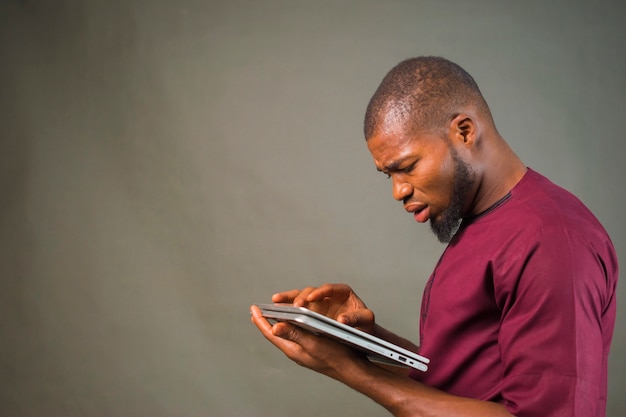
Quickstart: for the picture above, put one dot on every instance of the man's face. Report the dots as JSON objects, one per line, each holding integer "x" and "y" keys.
{"x": 427, "y": 175}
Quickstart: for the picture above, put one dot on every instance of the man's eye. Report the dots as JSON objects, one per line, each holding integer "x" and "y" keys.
{"x": 408, "y": 169}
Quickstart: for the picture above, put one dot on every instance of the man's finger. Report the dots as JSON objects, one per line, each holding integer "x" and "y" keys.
{"x": 285, "y": 296}
{"x": 286, "y": 331}
{"x": 358, "y": 318}
{"x": 335, "y": 291}
{"x": 302, "y": 300}
{"x": 267, "y": 330}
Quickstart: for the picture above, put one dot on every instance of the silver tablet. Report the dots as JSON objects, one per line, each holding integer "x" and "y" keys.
{"x": 377, "y": 349}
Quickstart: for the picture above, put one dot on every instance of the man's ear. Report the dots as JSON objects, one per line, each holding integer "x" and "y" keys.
{"x": 463, "y": 128}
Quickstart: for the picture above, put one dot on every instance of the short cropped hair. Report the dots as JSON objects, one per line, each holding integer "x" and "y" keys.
{"x": 423, "y": 94}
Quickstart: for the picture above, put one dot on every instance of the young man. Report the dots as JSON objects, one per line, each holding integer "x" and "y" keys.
{"x": 518, "y": 315}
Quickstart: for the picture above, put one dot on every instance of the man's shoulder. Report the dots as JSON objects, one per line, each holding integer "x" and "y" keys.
{"x": 536, "y": 211}
{"x": 538, "y": 203}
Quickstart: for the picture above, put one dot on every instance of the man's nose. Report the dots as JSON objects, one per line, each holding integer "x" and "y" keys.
{"x": 401, "y": 190}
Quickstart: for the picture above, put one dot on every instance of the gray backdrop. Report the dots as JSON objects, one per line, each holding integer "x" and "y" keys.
{"x": 164, "y": 164}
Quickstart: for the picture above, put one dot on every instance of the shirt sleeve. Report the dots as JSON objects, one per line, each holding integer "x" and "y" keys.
{"x": 552, "y": 294}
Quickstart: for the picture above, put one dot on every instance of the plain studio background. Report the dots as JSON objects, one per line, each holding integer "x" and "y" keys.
{"x": 166, "y": 164}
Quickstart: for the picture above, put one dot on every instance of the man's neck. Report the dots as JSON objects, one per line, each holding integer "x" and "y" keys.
{"x": 503, "y": 169}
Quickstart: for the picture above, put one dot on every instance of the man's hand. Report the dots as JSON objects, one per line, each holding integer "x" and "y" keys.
{"x": 336, "y": 301}
{"x": 318, "y": 353}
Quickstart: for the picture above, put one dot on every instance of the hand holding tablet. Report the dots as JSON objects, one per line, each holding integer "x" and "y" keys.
{"x": 377, "y": 350}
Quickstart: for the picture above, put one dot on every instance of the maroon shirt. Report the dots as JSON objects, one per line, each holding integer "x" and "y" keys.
{"x": 521, "y": 306}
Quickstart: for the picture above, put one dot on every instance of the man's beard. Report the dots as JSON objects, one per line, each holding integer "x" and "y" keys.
{"x": 445, "y": 227}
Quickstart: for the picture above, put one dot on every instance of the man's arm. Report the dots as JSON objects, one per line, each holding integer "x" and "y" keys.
{"x": 400, "y": 395}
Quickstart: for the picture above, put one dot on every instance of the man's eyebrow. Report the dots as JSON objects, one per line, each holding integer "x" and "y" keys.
{"x": 392, "y": 167}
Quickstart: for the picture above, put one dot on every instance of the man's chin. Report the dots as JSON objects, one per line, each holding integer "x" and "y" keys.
{"x": 445, "y": 229}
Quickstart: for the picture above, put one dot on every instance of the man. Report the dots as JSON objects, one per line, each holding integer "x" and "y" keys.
{"x": 518, "y": 315}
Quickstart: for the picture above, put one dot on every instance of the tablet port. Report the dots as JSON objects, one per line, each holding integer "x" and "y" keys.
{"x": 402, "y": 358}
